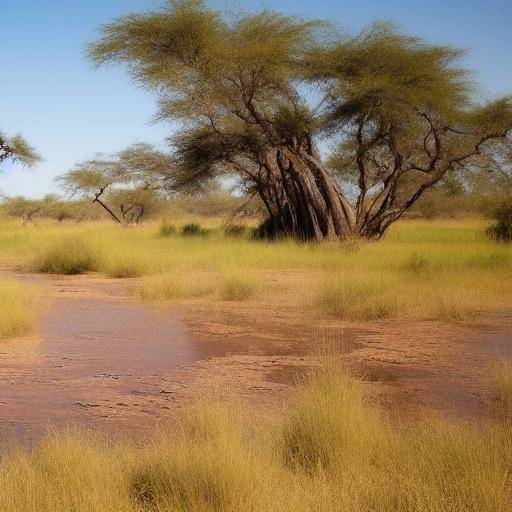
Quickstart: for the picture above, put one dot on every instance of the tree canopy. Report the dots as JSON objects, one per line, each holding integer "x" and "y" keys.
{"x": 17, "y": 149}
{"x": 126, "y": 184}
{"x": 399, "y": 113}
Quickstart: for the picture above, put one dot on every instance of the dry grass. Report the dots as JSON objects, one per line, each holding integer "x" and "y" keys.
{"x": 502, "y": 380}
{"x": 329, "y": 452}
{"x": 19, "y": 309}
{"x": 439, "y": 270}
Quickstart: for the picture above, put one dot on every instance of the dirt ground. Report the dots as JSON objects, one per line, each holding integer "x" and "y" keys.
{"x": 102, "y": 361}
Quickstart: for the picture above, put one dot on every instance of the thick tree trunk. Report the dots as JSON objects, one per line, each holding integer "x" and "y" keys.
{"x": 303, "y": 200}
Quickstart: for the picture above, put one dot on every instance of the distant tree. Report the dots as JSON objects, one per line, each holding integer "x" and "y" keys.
{"x": 398, "y": 111}
{"x": 21, "y": 208}
{"x": 127, "y": 184}
{"x": 17, "y": 149}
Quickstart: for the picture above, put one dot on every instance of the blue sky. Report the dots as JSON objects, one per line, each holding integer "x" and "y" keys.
{"x": 69, "y": 111}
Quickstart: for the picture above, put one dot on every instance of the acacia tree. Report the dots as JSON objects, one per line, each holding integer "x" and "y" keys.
{"x": 17, "y": 149}
{"x": 398, "y": 111}
{"x": 126, "y": 185}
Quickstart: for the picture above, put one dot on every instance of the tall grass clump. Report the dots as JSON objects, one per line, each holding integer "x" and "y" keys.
{"x": 356, "y": 298}
{"x": 18, "y": 309}
{"x": 66, "y": 472}
{"x": 329, "y": 428}
{"x": 68, "y": 255}
{"x": 238, "y": 286}
{"x": 175, "y": 287}
{"x": 193, "y": 229}
{"x": 207, "y": 465}
{"x": 166, "y": 229}
{"x": 235, "y": 230}
{"x": 124, "y": 264}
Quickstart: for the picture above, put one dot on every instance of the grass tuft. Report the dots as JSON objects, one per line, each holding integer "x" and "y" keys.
{"x": 193, "y": 229}
{"x": 166, "y": 229}
{"x": 68, "y": 255}
{"x": 236, "y": 286}
{"x": 18, "y": 309}
{"x": 502, "y": 384}
{"x": 360, "y": 298}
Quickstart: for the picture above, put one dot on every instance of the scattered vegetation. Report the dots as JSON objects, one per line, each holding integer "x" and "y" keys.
{"x": 440, "y": 270}
{"x": 330, "y": 451}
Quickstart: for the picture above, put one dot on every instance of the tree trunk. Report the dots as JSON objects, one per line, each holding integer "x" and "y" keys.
{"x": 303, "y": 200}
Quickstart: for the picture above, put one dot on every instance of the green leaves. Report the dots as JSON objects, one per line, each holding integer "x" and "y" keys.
{"x": 17, "y": 149}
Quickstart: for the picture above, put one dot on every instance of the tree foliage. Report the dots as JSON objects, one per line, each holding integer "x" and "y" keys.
{"x": 17, "y": 149}
{"x": 127, "y": 185}
{"x": 399, "y": 113}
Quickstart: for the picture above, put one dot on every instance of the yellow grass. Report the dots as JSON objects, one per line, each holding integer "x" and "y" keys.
{"x": 439, "y": 270}
{"x": 328, "y": 452}
{"x": 19, "y": 307}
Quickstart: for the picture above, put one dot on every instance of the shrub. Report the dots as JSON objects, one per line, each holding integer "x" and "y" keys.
{"x": 501, "y": 230}
{"x": 70, "y": 255}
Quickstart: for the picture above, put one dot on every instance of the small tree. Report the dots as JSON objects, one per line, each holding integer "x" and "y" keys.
{"x": 126, "y": 185}
{"x": 17, "y": 149}
{"x": 398, "y": 110}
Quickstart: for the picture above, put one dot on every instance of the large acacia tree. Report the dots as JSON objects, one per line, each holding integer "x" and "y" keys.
{"x": 398, "y": 112}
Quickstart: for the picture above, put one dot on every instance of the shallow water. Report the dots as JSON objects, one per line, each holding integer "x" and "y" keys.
{"x": 93, "y": 346}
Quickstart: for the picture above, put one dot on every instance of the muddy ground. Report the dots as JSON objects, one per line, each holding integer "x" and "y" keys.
{"x": 102, "y": 361}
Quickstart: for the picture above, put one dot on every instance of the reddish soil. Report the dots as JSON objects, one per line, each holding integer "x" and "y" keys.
{"x": 102, "y": 361}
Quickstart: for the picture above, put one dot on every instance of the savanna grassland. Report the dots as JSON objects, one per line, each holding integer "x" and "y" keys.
{"x": 330, "y": 446}
{"x": 440, "y": 270}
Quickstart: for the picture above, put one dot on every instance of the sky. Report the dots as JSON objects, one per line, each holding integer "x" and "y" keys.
{"x": 69, "y": 110}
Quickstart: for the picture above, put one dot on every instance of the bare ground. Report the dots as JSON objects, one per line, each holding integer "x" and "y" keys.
{"x": 102, "y": 361}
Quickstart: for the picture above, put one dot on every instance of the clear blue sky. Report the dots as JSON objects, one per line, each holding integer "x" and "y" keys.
{"x": 68, "y": 111}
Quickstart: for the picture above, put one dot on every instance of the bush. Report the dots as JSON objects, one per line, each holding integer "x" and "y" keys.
{"x": 501, "y": 230}
{"x": 166, "y": 230}
{"x": 193, "y": 229}
{"x": 70, "y": 255}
